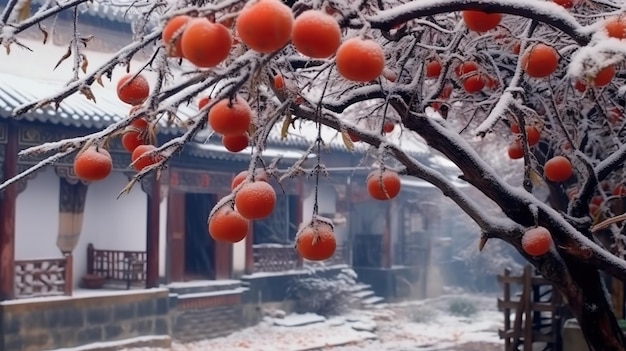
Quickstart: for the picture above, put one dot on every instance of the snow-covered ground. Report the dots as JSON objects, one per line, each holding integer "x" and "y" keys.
{"x": 451, "y": 322}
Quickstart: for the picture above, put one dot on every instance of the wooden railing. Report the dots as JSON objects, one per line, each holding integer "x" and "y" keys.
{"x": 43, "y": 277}
{"x": 117, "y": 265}
{"x": 537, "y": 311}
{"x": 275, "y": 258}
{"x": 341, "y": 256}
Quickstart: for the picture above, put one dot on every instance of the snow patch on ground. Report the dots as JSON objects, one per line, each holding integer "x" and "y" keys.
{"x": 445, "y": 323}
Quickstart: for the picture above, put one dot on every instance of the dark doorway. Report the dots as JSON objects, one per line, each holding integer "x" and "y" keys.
{"x": 199, "y": 246}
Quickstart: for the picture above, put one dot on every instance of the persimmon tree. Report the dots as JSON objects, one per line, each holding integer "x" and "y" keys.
{"x": 539, "y": 78}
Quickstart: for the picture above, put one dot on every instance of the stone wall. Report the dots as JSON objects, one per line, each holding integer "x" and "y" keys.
{"x": 209, "y": 315}
{"x": 66, "y": 322}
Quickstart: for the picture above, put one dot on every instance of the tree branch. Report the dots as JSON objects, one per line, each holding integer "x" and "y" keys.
{"x": 545, "y": 12}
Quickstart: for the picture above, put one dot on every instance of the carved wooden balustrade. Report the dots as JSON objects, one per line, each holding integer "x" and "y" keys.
{"x": 43, "y": 277}
{"x": 117, "y": 265}
{"x": 275, "y": 258}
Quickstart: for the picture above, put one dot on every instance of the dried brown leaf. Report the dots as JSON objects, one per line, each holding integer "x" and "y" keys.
{"x": 99, "y": 80}
{"x": 88, "y": 93}
{"x": 482, "y": 243}
{"x": 86, "y": 39}
{"x": 285, "y": 127}
{"x": 84, "y": 64}
{"x": 65, "y": 56}
{"x": 347, "y": 141}
{"x": 44, "y": 32}
{"x": 535, "y": 178}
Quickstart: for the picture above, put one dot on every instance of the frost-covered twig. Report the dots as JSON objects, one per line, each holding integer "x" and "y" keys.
{"x": 507, "y": 96}
{"x": 6, "y": 13}
{"x": 120, "y": 57}
{"x": 7, "y": 33}
{"x": 515, "y": 203}
{"x": 41, "y": 164}
{"x": 546, "y": 12}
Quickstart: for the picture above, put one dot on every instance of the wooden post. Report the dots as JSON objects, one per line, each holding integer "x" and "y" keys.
{"x": 300, "y": 260}
{"x": 528, "y": 322}
{"x": 68, "y": 274}
{"x": 90, "y": 253}
{"x": 249, "y": 267}
{"x": 7, "y": 217}
{"x": 386, "y": 240}
{"x": 433, "y": 229}
{"x": 222, "y": 254}
{"x": 152, "y": 233}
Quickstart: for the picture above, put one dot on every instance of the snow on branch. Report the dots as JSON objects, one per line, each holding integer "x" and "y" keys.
{"x": 8, "y": 31}
{"x": 516, "y": 203}
{"x": 46, "y": 162}
{"x": 507, "y": 97}
{"x": 543, "y": 11}
{"x": 122, "y": 56}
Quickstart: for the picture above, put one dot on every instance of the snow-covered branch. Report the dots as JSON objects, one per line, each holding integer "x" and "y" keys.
{"x": 543, "y": 11}
{"x": 122, "y": 56}
{"x": 41, "y": 164}
{"x": 8, "y": 31}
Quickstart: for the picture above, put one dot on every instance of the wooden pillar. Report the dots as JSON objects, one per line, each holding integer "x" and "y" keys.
{"x": 300, "y": 218}
{"x": 386, "y": 240}
{"x": 349, "y": 244}
{"x": 152, "y": 232}
{"x": 176, "y": 236}
{"x": 7, "y": 217}
{"x": 223, "y": 253}
{"x": 432, "y": 214}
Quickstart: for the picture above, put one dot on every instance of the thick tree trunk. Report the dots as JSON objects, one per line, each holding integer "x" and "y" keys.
{"x": 593, "y": 310}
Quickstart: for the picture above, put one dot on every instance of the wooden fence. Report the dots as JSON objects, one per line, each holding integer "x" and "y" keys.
{"x": 537, "y": 309}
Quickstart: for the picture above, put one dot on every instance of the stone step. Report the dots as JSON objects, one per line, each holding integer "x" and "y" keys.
{"x": 363, "y": 294}
{"x": 373, "y": 300}
{"x": 203, "y": 286}
{"x": 359, "y": 287}
{"x": 380, "y": 306}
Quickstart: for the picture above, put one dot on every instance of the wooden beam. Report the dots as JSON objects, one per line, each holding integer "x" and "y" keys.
{"x": 152, "y": 232}
{"x": 7, "y": 217}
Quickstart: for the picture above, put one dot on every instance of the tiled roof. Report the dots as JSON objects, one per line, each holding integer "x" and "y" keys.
{"x": 74, "y": 111}
{"x": 77, "y": 111}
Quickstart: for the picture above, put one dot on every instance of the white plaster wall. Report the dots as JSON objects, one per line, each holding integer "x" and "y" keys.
{"x": 163, "y": 237}
{"x": 37, "y": 218}
{"x": 239, "y": 258}
{"x": 327, "y": 200}
{"x": 368, "y": 217}
{"x": 109, "y": 223}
